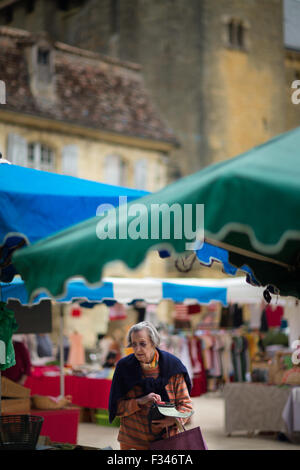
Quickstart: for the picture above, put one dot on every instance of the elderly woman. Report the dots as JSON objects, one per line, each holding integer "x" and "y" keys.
{"x": 146, "y": 376}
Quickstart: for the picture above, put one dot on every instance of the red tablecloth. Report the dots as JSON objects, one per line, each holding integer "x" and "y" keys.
{"x": 59, "y": 425}
{"x": 85, "y": 392}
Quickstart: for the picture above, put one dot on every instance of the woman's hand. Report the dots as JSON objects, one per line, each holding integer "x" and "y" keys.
{"x": 150, "y": 398}
{"x": 159, "y": 425}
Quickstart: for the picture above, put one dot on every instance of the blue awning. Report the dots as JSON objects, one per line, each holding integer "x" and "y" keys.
{"x": 123, "y": 290}
{"x": 36, "y": 204}
{"x": 208, "y": 253}
{"x": 202, "y": 294}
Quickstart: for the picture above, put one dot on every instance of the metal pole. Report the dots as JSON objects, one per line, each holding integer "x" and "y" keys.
{"x": 61, "y": 356}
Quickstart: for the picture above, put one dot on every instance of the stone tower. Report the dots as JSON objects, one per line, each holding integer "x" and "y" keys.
{"x": 215, "y": 68}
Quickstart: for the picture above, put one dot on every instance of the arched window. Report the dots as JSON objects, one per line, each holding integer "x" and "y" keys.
{"x": 231, "y": 32}
{"x": 44, "y": 65}
{"x": 236, "y": 32}
{"x": 240, "y": 35}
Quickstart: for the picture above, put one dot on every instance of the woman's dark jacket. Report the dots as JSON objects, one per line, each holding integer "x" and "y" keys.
{"x": 128, "y": 374}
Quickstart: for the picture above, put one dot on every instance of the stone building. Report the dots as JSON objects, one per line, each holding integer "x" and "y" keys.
{"x": 220, "y": 71}
{"x": 75, "y": 112}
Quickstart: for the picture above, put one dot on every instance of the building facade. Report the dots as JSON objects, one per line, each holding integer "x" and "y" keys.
{"x": 219, "y": 71}
{"x": 74, "y": 112}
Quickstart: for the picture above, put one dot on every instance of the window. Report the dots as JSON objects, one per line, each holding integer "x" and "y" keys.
{"x": 43, "y": 64}
{"x": 140, "y": 174}
{"x": 236, "y": 32}
{"x": 40, "y": 157}
{"x": 240, "y": 35}
{"x": 67, "y": 5}
{"x": 46, "y": 158}
{"x": 2, "y": 92}
{"x": 8, "y": 14}
{"x": 115, "y": 170}
{"x": 31, "y": 155}
{"x": 43, "y": 56}
{"x": 70, "y": 160}
{"x": 29, "y": 6}
{"x": 64, "y": 5}
{"x": 231, "y": 28}
{"x": 115, "y": 16}
{"x": 17, "y": 150}
{"x": 297, "y": 75}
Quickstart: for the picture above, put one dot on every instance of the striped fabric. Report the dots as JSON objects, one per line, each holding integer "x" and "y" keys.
{"x": 134, "y": 431}
{"x": 181, "y": 312}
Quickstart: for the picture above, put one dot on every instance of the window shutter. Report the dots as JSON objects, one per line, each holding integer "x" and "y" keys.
{"x": 70, "y": 160}
{"x": 2, "y": 92}
{"x": 112, "y": 167}
{"x": 140, "y": 174}
{"x": 17, "y": 149}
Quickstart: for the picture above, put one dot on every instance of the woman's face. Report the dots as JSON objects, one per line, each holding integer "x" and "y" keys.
{"x": 142, "y": 346}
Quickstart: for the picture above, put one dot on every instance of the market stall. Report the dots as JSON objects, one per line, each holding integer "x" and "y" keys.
{"x": 86, "y": 391}
{"x": 38, "y": 204}
{"x": 257, "y": 227}
{"x": 255, "y": 407}
{"x": 230, "y": 314}
{"x": 265, "y": 236}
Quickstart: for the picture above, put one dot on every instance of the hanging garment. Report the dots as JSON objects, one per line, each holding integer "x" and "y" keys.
{"x": 237, "y": 313}
{"x": 151, "y": 314}
{"x": 216, "y": 356}
{"x": 226, "y": 318}
{"x": 207, "y": 342}
{"x": 263, "y": 322}
{"x": 8, "y": 326}
{"x": 253, "y": 349}
{"x": 255, "y": 316}
{"x": 239, "y": 358}
{"x": 199, "y": 383}
{"x": 117, "y": 312}
{"x": 185, "y": 358}
{"x": 66, "y": 349}
{"x": 44, "y": 345}
{"x": 226, "y": 359}
{"x": 76, "y": 353}
{"x": 274, "y": 314}
{"x": 22, "y": 365}
{"x": 181, "y": 312}
{"x": 194, "y": 309}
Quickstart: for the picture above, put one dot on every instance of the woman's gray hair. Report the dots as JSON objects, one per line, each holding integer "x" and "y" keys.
{"x": 144, "y": 325}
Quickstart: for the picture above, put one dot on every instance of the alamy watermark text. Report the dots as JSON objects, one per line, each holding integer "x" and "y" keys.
{"x": 160, "y": 222}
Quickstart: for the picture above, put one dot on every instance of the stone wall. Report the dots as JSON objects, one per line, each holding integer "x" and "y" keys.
{"x": 220, "y": 100}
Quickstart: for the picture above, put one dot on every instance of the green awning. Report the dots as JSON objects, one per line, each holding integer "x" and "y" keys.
{"x": 251, "y": 208}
